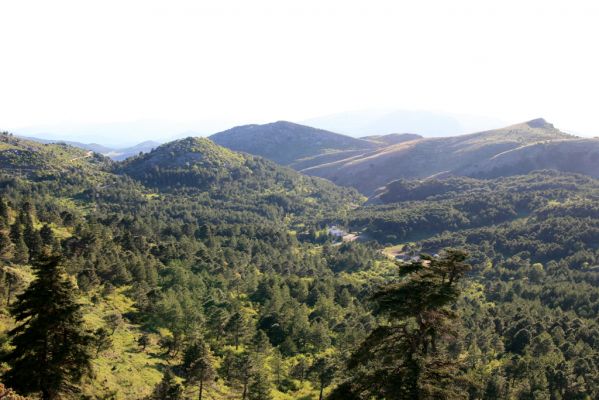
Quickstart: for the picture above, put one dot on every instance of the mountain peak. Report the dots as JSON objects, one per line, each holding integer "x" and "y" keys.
{"x": 286, "y": 142}
{"x": 539, "y": 123}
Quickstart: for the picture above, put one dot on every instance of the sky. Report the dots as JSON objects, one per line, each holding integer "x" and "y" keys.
{"x": 79, "y": 63}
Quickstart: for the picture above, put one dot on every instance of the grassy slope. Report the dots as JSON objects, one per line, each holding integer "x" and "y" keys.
{"x": 430, "y": 156}
{"x": 125, "y": 370}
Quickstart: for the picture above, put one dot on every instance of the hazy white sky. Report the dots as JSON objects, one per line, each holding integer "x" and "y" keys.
{"x": 109, "y": 61}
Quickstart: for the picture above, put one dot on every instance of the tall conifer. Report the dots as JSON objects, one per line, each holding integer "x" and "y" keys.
{"x": 51, "y": 349}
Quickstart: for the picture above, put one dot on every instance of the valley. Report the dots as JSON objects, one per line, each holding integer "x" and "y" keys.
{"x": 193, "y": 244}
{"x": 299, "y": 200}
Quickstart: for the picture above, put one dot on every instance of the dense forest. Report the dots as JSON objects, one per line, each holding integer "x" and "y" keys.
{"x": 194, "y": 271}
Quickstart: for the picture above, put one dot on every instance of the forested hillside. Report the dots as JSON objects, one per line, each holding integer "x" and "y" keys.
{"x": 194, "y": 271}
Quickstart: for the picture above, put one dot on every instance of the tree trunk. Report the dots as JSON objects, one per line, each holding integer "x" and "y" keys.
{"x": 46, "y": 394}
{"x": 9, "y": 292}
{"x": 201, "y": 388}
{"x": 321, "y": 390}
{"x": 245, "y": 389}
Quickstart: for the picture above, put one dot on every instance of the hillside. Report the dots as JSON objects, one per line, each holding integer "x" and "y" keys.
{"x": 197, "y": 165}
{"x": 571, "y": 155}
{"x": 175, "y": 258}
{"x": 430, "y": 156}
{"x": 409, "y": 209}
{"x": 286, "y": 142}
{"x": 175, "y": 162}
{"x": 117, "y": 154}
{"x": 95, "y": 147}
{"x": 22, "y": 156}
{"x": 392, "y": 138}
{"x": 193, "y": 243}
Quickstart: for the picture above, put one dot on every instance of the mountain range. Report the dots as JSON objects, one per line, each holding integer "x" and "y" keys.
{"x": 194, "y": 241}
{"x": 371, "y": 162}
{"x": 115, "y": 153}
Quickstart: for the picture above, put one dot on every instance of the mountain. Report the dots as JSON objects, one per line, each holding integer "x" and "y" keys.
{"x": 195, "y": 249}
{"x": 287, "y": 143}
{"x": 95, "y": 147}
{"x": 463, "y": 212}
{"x": 426, "y": 157}
{"x": 195, "y": 162}
{"x": 23, "y": 156}
{"x": 198, "y": 165}
{"x": 121, "y": 154}
{"x": 571, "y": 155}
{"x": 156, "y": 245}
{"x": 114, "y": 153}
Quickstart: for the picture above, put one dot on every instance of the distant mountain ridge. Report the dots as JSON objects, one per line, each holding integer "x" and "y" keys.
{"x": 371, "y": 162}
{"x": 571, "y": 155}
{"x": 427, "y": 157}
{"x": 286, "y": 142}
{"x": 117, "y": 154}
{"x": 23, "y": 157}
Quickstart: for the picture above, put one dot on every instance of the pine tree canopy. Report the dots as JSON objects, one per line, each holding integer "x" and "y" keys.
{"x": 51, "y": 349}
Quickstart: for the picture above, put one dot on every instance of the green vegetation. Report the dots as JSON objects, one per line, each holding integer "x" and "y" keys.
{"x": 414, "y": 356}
{"x": 50, "y": 351}
{"x": 197, "y": 272}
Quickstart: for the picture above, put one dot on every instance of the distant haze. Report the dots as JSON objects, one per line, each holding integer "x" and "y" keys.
{"x": 120, "y": 72}
{"x": 119, "y": 134}
{"x": 354, "y": 123}
{"x": 380, "y": 122}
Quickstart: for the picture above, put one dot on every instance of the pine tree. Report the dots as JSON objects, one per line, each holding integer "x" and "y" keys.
{"x": 322, "y": 371}
{"x": 168, "y": 388}
{"x": 3, "y": 214}
{"x": 143, "y": 341}
{"x": 51, "y": 349}
{"x": 6, "y": 247}
{"x": 102, "y": 340}
{"x": 33, "y": 240}
{"x": 47, "y": 236}
{"x": 408, "y": 358}
{"x": 113, "y": 321}
{"x": 237, "y": 328}
{"x": 261, "y": 343}
{"x": 242, "y": 371}
{"x": 259, "y": 385}
{"x": 3, "y": 209}
{"x": 198, "y": 365}
{"x": 16, "y": 231}
{"x": 21, "y": 251}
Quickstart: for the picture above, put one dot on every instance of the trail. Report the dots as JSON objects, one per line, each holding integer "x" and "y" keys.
{"x": 87, "y": 155}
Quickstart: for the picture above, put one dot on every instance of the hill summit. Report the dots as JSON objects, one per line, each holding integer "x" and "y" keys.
{"x": 286, "y": 142}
